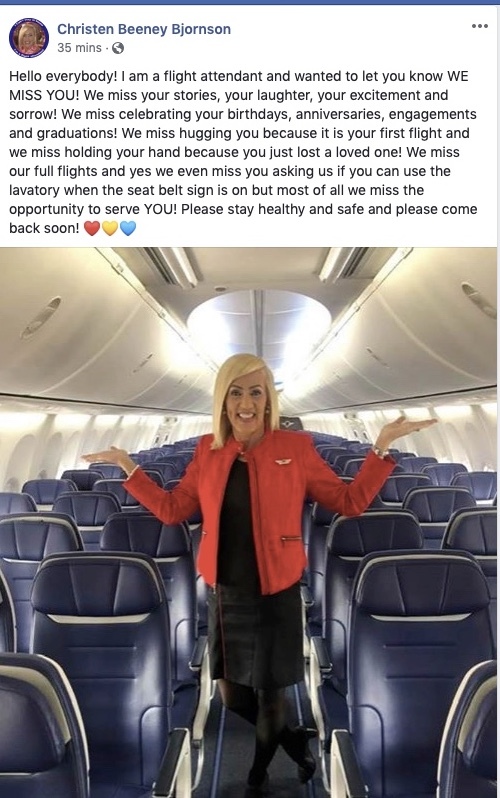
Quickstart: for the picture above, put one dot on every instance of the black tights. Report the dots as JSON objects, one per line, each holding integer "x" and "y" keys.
{"x": 266, "y": 710}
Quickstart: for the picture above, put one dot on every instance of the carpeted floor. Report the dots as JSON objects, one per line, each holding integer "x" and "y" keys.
{"x": 229, "y": 753}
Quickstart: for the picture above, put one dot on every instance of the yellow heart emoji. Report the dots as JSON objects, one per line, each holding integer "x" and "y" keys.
{"x": 110, "y": 227}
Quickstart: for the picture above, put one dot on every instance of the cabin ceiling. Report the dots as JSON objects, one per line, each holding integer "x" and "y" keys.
{"x": 111, "y": 329}
{"x": 228, "y": 270}
{"x": 252, "y": 299}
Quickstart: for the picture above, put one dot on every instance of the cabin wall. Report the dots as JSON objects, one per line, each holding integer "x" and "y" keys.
{"x": 465, "y": 434}
{"x": 190, "y": 427}
{"x": 37, "y": 444}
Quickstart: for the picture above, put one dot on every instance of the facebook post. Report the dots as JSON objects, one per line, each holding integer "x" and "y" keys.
{"x": 140, "y": 124}
{"x": 248, "y": 400}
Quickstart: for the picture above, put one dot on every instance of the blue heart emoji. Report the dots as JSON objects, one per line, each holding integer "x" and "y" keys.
{"x": 127, "y": 227}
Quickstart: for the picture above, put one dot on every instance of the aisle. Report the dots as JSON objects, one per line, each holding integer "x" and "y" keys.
{"x": 229, "y": 753}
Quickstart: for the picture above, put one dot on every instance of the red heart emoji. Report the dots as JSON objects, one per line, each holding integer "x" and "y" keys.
{"x": 91, "y": 227}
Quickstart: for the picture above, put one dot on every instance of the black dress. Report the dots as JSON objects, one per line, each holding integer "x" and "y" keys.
{"x": 254, "y": 640}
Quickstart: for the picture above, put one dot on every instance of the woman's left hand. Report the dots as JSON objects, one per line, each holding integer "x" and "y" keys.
{"x": 400, "y": 427}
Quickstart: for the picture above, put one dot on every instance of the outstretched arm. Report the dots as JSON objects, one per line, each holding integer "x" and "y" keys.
{"x": 114, "y": 456}
{"x": 398, "y": 428}
{"x": 169, "y": 506}
{"x": 351, "y": 499}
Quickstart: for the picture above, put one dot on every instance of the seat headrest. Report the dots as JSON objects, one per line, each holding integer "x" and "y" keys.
{"x": 99, "y": 585}
{"x": 374, "y": 531}
{"x": 145, "y": 534}
{"x": 31, "y": 739}
{"x": 474, "y": 530}
{"x": 34, "y": 536}
{"x": 86, "y": 507}
{"x": 479, "y": 746}
{"x": 11, "y": 502}
{"x": 435, "y": 504}
{"x": 44, "y": 491}
{"x": 420, "y": 584}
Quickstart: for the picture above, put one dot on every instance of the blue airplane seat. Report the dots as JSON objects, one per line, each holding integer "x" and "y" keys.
{"x": 321, "y": 518}
{"x": 340, "y": 461}
{"x": 8, "y": 631}
{"x": 109, "y": 471}
{"x": 171, "y": 547}
{"x": 25, "y": 539}
{"x": 329, "y": 453}
{"x": 11, "y": 502}
{"x": 46, "y": 491}
{"x": 172, "y": 467}
{"x": 398, "y": 455}
{"x": 482, "y": 485}
{"x": 83, "y": 478}
{"x": 104, "y": 619}
{"x": 397, "y": 486}
{"x": 419, "y": 621}
{"x": 115, "y": 486}
{"x": 201, "y": 587}
{"x": 196, "y": 518}
{"x": 352, "y": 466}
{"x": 475, "y": 530}
{"x": 468, "y": 757}
{"x": 349, "y": 540}
{"x": 443, "y": 473}
{"x": 414, "y": 464}
{"x": 155, "y": 475}
{"x": 167, "y": 470}
{"x": 90, "y": 509}
{"x": 434, "y": 507}
{"x": 43, "y": 747}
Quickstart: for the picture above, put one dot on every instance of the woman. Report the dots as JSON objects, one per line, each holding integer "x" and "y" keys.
{"x": 250, "y": 479}
{"x": 29, "y": 39}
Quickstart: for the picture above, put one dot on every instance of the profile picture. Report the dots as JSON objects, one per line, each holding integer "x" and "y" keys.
{"x": 29, "y": 38}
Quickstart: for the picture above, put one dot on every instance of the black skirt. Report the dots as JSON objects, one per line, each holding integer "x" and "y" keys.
{"x": 256, "y": 640}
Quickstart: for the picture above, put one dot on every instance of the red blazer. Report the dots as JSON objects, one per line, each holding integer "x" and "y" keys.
{"x": 283, "y": 469}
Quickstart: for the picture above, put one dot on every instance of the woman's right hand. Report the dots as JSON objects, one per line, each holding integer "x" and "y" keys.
{"x": 115, "y": 456}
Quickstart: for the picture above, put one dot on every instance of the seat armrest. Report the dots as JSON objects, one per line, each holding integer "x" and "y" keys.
{"x": 198, "y": 654}
{"x": 321, "y": 655}
{"x": 306, "y": 596}
{"x": 319, "y": 666}
{"x": 174, "y": 778}
{"x": 200, "y": 663}
{"x": 346, "y": 779}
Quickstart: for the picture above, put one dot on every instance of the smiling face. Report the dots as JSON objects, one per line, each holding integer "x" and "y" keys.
{"x": 245, "y": 406}
{"x": 28, "y": 38}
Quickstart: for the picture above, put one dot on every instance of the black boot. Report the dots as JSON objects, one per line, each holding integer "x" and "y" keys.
{"x": 257, "y": 789}
{"x": 296, "y": 744}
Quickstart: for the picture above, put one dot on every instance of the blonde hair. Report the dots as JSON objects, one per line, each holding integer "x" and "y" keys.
{"x": 28, "y": 27}
{"x": 234, "y": 367}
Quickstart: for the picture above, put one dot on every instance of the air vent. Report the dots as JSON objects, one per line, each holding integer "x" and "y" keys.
{"x": 172, "y": 265}
{"x": 479, "y": 300}
{"x": 41, "y": 318}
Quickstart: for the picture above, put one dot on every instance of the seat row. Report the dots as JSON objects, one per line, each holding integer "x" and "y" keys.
{"x": 418, "y": 622}
{"x": 101, "y": 643}
{"x": 336, "y": 549}
{"x": 78, "y": 588}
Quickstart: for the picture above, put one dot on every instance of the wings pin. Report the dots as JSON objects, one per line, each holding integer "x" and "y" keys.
{"x": 283, "y": 462}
